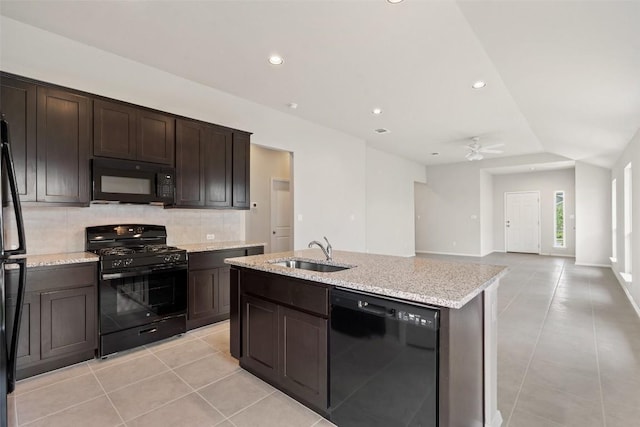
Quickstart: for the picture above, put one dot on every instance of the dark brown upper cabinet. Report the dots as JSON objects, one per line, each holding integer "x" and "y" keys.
{"x": 212, "y": 166}
{"x": 18, "y": 105}
{"x": 122, "y": 131}
{"x": 241, "y": 162}
{"x": 63, "y": 144}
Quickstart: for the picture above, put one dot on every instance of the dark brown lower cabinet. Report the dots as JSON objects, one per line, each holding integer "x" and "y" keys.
{"x": 285, "y": 334}
{"x": 59, "y": 315}
{"x": 209, "y": 285}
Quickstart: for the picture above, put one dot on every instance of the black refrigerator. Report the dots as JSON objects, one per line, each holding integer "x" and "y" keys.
{"x": 11, "y": 298}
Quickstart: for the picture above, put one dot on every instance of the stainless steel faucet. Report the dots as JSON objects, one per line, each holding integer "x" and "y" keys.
{"x": 328, "y": 252}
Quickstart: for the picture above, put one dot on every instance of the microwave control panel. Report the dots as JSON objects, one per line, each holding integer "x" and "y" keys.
{"x": 165, "y": 185}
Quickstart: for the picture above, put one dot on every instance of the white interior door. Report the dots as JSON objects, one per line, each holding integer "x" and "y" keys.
{"x": 281, "y": 216}
{"x": 522, "y": 222}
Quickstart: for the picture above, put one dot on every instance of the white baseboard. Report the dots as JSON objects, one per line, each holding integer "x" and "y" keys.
{"x": 623, "y": 285}
{"x": 447, "y": 253}
{"x": 559, "y": 255}
{"x": 496, "y": 421}
{"x": 588, "y": 264}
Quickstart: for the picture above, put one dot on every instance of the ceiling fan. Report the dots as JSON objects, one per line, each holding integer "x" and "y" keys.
{"x": 476, "y": 150}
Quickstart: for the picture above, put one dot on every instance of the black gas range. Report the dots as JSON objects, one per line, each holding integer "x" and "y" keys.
{"x": 142, "y": 292}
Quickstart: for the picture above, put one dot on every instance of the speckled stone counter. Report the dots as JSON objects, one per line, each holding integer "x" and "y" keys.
{"x": 218, "y": 246}
{"x": 424, "y": 280}
{"x": 56, "y": 259}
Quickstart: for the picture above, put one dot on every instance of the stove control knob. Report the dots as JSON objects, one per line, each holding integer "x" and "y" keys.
{"x": 128, "y": 261}
{"x": 167, "y": 258}
{"x": 116, "y": 263}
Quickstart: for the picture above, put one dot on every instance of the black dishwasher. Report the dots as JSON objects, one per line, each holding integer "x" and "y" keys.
{"x": 383, "y": 362}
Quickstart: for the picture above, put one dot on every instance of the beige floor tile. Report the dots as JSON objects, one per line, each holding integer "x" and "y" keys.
{"x": 210, "y": 329}
{"x": 146, "y": 395}
{"x": 225, "y": 423}
{"x": 12, "y": 417}
{"x": 580, "y": 382}
{"x": 190, "y": 410}
{"x": 218, "y": 340}
{"x": 184, "y": 353}
{"x": 47, "y": 400}
{"x": 324, "y": 423}
{"x": 235, "y": 392}
{"x": 30, "y": 384}
{"x": 130, "y": 371}
{"x": 97, "y": 413}
{"x": 557, "y": 406}
{"x": 525, "y": 419}
{"x": 276, "y": 410}
{"x": 207, "y": 370}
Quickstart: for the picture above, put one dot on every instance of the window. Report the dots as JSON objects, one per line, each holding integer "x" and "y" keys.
{"x": 614, "y": 221}
{"x": 558, "y": 223}
{"x": 627, "y": 219}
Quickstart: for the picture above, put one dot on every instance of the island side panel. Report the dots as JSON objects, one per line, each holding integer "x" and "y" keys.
{"x": 234, "y": 315}
{"x": 493, "y": 417}
{"x": 461, "y": 394}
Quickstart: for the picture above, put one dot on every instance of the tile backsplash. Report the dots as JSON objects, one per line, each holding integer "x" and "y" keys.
{"x": 58, "y": 229}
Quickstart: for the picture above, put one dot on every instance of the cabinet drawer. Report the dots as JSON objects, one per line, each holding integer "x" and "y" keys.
{"x": 215, "y": 259}
{"x": 299, "y": 294}
{"x": 58, "y": 277}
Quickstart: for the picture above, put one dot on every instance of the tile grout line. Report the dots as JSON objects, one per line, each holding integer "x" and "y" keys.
{"x": 555, "y": 289}
{"x": 108, "y": 398}
{"x": 50, "y": 373}
{"x": 58, "y": 411}
{"x": 595, "y": 343}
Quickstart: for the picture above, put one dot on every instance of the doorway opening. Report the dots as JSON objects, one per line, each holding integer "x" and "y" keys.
{"x": 270, "y": 218}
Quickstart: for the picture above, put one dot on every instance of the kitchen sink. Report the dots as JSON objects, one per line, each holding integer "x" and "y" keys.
{"x": 311, "y": 266}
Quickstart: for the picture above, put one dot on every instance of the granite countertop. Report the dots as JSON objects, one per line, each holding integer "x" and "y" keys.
{"x": 441, "y": 283}
{"x": 47, "y": 260}
{"x": 56, "y": 259}
{"x": 218, "y": 246}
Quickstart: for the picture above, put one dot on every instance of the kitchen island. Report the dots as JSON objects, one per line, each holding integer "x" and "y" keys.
{"x": 281, "y": 323}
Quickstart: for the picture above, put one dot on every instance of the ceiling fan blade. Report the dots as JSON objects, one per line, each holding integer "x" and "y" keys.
{"x": 484, "y": 150}
{"x": 492, "y": 146}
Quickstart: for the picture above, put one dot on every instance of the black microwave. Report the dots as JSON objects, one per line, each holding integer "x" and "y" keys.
{"x": 132, "y": 182}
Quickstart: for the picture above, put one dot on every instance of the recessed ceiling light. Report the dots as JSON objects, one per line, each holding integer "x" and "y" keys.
{"x": 381, "y": 130}
{"x": 292, "y": 105}
{"x": 435, "y": 154}
{"x": 478, "y": 84}
{"x": 276, "y": 60}
{"x": 532, "y": 168}
{"x": 376, "y": 111}
{"x": 394, "y": 1}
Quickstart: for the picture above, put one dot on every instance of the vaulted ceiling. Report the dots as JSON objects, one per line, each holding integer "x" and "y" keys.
{"x": 561, "y": 76}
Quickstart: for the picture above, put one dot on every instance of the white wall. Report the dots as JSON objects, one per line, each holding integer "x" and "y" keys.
{"x": 593, "y": 215}
{"x": 329, "y": 166}
{"x": 546, "y": 183}
{"x": 449, "y": 210}
{"x": 631, "y": 154}
{"x": 390, "y": 203}
{"x": 265, "y": 165}
{"x": 486, "y": 213}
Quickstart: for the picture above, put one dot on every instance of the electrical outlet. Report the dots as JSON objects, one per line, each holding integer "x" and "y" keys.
{"x": 211, "y": 236}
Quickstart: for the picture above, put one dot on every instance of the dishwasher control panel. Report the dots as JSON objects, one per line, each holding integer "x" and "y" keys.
{"x": 416, "y": 319}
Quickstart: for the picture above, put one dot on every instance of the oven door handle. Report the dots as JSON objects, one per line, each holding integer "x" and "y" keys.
{"x": 122, "y": 275}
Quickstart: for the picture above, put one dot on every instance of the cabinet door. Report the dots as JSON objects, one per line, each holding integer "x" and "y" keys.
{"x": 114, "y": 130}
{"x": 260, "y": 336}
{"x": 189, "y": 163}
{"x": 217, "y": 167}
{"x": 303, "y": 355}
{"x": 156, "y": 137}
{"x": 68, "y": 321}
{"x": 224, "y": 291}
{"x": 63, "y": 141}
{"x": 18, "y": 104}
{"x": 203, "y": 293}
{"x": 241, "y": 161}
{"x": 29, "y": 334}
